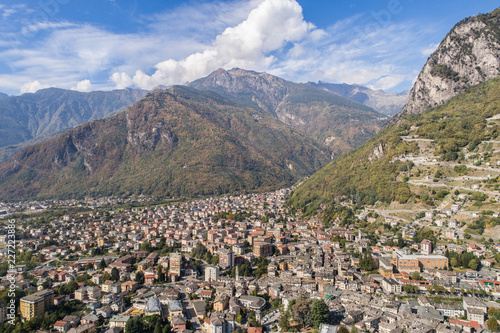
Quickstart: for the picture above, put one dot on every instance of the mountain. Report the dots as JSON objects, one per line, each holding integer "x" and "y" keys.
{"x": 337, "y": 122}
{"x": 468, "y": 55}
{"x": 420, "y": 162}
{"x": 385, "y": 103}
{"x": 179, "y": 141}
{"x": 31, "y": 118}
{"x": 443, "y": 142}
{"x": 2, "y": 95}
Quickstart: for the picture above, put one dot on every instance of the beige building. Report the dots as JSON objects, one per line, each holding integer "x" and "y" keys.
{"x": 36, "y": 304}
{"x": 175, "y": 263}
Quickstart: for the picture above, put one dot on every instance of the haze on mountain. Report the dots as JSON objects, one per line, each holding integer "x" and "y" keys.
{"x": 179, "y": 141}
{"x": 386, "y": 103}
{"x": 34, "y": 117}
{"x": 378, "y": 171}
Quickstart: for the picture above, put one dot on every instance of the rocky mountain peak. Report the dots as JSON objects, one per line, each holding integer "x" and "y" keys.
{"x": 468, "y": 55}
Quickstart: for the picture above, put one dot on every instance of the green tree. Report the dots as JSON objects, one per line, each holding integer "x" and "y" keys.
{"x": 343, "y": 329}
{"x": 139, "y": 277}
{"x": 134, "y": 325}
{"x": 102, "y": 264}
{"x": 115, "y": 274}
{"x": 493, "y": 324}
{"x": 454, "y": 262}
{"x": 158, "y": 328}
{"x": 161, "y": 275}
{"x": 319, "y": 312}
{"x": 473, "y": 264}
{"x": 301, "y": 311}
{"x": 146, "y": 246}
{"x": 354, "y": 329}
{"x": 284, "y": 321}
{"x": 416, "y": 276}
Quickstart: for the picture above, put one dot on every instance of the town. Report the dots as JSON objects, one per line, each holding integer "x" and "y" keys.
{"x": 244, "y": 264}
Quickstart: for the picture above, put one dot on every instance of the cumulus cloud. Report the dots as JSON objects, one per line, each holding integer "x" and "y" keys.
{"x": 32, "y": 87}
{"x": 121, "y": 80}
{"x": 83, "y": 86}
{"x": 245, "y": 45}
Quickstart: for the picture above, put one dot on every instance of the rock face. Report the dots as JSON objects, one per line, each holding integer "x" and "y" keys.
{"x": 468, "y": 55}
{"x": 339, "y": 123}
{"x": 385, "y": 103}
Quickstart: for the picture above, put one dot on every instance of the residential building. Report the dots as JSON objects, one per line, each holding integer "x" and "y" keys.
{"x": 226, "y": 258}
{"x": 426, "y": 247}
{"x": 36, "y": 304}
{"x": 211, "y": 273}
{"x": 175, "y": 263}
{"x": 263, "y": 249}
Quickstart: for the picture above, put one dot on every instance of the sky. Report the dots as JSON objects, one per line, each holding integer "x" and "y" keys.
{"x": 114, "y": 44}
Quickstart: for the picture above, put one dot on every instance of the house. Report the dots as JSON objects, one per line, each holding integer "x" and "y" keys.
{"x": 178, "y": 323}
{"x": 105, "y": 311}
{"x": 62, "y": 326}
{"x": 85, "y": 328}
{"x": 487, "y": 262}
{"x": 90, "y": 319}
{"x": 118, "y": 321}
{"x": 129, "y": 286}
{"x": 174, "y": 309}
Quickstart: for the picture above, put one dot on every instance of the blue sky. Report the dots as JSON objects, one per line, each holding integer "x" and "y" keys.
{"x": 108, "y": 44}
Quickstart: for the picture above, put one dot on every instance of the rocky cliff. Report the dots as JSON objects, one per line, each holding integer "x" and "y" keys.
{"x": 468, "y": 55}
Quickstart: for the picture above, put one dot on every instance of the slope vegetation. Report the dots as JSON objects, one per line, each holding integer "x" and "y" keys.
{"x": 178, "y": 141}
{"x": 415, "y": 159}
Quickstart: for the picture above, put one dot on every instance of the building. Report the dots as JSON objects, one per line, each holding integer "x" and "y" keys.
{"x": 119, "y": 321}
{"x": 81, "y": 294}
{"x": 220, "y": 303}
{"x": 174, "y": 309}
{"x": 36, "y": 304}
{"x": 385, "y": 268}
{"x": 263, "y": 249}
{"x": 211, "y": 273}
{"x": 252, "y": 302}
{"x": 391, "y": 286}
{"x": 426, "y": 247}
{"x": 415, "y": 263}
{"x": 175, "y": 263}
{"x": 221, "y": 323}
{"x": 62, "y": 326}
{"x": 86, "y": 328}
{"x": 226, "y": 258}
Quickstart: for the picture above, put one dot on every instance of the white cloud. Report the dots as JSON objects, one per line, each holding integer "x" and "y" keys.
{"x": 430, "y": 49}
{"x": 246, "y": 45}
{"x": 389, "y": 81}
{"x": 83, "y": 86}
{"x": 32, "y": 87}
{"x": 261, "y": 35}
{"x": 121, "y": 80}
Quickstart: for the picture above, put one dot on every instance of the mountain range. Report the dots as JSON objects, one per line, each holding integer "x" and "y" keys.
{"x": 34, "y": 117}
{"x": 386, "y": 103}
{"x": 339, "y": 123}
{"x": 178, "y": 141}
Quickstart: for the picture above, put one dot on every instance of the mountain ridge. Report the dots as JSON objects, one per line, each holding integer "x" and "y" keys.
{"x": 34, "y": 117}
{"x": 179, "y": 141}
{"x": 339, "y": 123}
{"x": 386, "y": 103}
